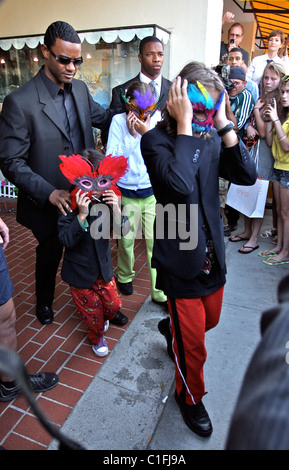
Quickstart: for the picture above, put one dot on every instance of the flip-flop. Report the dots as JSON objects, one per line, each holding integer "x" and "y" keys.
{"x": 274, "y": 262}
{"x": 267, "y": 253}
{"x": 250, "y": 248}
{"x": 240, "y": 239}
{"x": 269, "y": 233}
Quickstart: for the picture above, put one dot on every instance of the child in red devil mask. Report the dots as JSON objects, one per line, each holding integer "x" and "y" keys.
{"x": 85, "y": 234}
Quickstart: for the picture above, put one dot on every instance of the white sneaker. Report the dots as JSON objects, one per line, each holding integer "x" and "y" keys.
{"x": 100, "y": 349}
{"x": 106, "y": 326}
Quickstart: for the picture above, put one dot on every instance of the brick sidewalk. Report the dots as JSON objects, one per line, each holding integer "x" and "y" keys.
{"x": 61, "y": 347}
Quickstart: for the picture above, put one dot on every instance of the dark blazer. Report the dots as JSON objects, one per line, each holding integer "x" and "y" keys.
{"x": 32, "y": 136}
{"x": 260, "y": 418}
{"x": 116, "y": 100}
{"x": 87, "y": 253}
{"x": 183, "y": 171}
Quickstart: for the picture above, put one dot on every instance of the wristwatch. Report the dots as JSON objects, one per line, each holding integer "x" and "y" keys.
{"x": 226, "y": 129}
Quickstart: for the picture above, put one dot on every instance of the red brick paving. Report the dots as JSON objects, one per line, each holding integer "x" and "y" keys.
{"x": 61, "y": 347}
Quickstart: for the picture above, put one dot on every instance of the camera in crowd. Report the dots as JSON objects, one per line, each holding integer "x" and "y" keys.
{"x": 223, "y": 70}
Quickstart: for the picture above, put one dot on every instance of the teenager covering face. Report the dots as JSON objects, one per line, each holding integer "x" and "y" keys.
{"x": 185, "y": 156}
{"x": 138, "y": 199}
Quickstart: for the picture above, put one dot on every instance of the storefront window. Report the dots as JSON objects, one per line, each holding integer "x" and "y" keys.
{"x": 110, "y": 58}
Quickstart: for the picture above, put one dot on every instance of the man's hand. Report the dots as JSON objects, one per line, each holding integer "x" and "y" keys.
{"x": 228, "y": 17}
{"x": 60, "y": 198}
{"x": 4, "y": 234}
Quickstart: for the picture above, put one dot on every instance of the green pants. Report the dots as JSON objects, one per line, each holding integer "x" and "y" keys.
{"x": 141, "y": 214}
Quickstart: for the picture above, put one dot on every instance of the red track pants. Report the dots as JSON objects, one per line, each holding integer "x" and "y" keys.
{"x": 96, "y": 305}
{"x": 190, "y": 319}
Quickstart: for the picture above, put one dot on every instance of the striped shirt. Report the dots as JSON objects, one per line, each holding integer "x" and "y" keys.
{"x": 242, "y": 106}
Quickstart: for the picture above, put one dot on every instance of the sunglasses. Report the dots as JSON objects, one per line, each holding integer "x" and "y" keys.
{"x": 285, "y": 78}
{"x": 66, "y": 60}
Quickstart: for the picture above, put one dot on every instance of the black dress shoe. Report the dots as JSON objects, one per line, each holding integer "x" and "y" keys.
{"x": 195, "y": 417}
{"x": 125, "y": 288}
{"x": 44, "y": 314}
{"x": 119, "y": 319}
{"x": 164, "y": 329}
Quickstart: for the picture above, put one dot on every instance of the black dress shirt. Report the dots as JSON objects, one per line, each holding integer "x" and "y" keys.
{"x": 64, "y": 102}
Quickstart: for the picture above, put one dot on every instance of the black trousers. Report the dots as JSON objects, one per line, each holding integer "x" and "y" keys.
{"x": 48, "y": 257}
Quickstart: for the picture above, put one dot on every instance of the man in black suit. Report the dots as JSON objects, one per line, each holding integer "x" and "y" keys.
{"x": 151, "y": 58}
{"x": 50, "y": 115}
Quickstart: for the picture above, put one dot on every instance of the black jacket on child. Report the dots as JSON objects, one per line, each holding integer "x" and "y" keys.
{"x": 87, "y": 252}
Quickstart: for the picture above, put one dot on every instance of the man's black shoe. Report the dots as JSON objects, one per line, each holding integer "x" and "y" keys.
{"x": 125, "y": 288}
{"x": 41, "y": 382}
{"x": 164, "y": 329}
{"x": 119, "y": 319}
{"x": 195, "y": 417}
{"x": 44, "y": 314}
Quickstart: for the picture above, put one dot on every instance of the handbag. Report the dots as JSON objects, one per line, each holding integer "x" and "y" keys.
{"x": 249, "y": 200}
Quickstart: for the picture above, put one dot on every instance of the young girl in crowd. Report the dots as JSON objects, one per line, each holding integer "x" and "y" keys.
{"x": 185, "y": 156}
{"x": 138, "y": 200}
{"x": 265, "y": 162}
{"x": 85, "y": 234}
{"x": 277, "y": 135}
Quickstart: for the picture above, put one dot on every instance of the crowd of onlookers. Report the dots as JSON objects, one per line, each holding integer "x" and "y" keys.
{"x": 259, "y": 109}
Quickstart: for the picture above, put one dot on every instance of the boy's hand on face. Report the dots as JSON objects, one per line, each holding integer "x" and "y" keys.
{"x": 82, "y": 202}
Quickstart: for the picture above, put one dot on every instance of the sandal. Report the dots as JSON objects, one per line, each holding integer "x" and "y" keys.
{"x": 248, "y": 249}
{"x": 268, "y": 253}
{"x": 269, "y": 233}
{"x": 274, "y": 262}
{"x": 237, "y": 238}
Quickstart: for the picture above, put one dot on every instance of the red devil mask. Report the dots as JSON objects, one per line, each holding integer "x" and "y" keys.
{"x": 85, "y": 177}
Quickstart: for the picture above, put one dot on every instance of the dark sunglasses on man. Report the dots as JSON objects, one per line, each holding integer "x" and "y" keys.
{"x": 63, "y": 60}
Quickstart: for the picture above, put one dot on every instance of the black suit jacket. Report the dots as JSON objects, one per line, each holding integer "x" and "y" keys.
{"x": 85, "y": 258}
{"x": 87, "y": 253}
{"x": 32, "y": 136}
{"x": 116, "y": 100}
{"x": 183, "y": 171}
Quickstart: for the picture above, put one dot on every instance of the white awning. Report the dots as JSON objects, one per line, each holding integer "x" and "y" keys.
{"x": 108, "y": 36}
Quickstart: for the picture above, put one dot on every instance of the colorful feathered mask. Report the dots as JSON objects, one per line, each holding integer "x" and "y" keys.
{"x": 202, "y": 102}
{"x": 85, "y": 177}
{"x": 145, "y": 104}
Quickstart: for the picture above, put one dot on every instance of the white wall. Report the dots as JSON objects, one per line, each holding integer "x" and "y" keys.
{"x": 195, "y": 25}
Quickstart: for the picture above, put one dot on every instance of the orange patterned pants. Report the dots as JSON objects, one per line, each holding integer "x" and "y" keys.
{"x": 96, "y": 305}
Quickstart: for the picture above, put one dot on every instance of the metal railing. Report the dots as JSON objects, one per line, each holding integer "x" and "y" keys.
{"x": 8, "y": 189}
